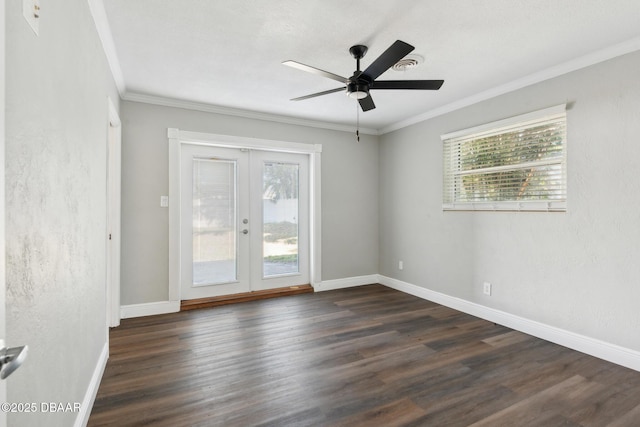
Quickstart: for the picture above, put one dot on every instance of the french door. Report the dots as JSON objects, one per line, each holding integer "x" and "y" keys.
{"x": 244, "y": 220}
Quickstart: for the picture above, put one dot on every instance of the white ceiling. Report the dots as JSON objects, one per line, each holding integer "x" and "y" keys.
{"x": 228, "y": 53}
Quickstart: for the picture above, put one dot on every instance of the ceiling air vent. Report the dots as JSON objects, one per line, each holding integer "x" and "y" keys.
{"x": 407, "y": 63}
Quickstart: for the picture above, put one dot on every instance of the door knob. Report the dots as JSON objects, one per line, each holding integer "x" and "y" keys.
{"x": 245, "y": 231}
{"x": 11, "y": 359}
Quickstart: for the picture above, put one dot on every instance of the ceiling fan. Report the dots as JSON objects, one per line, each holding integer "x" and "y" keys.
{"x": 361, "y": 82}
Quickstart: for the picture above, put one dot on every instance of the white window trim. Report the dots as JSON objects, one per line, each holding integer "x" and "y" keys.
{"x": 502, "y": 126}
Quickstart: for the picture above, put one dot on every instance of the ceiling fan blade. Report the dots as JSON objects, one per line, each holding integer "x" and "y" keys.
{"x": 313, "y": 95}
{"x": 367, "y": 103}
{"x": 393, "y": 54}
{"x": 407, "y": 84}
{"x": 315, "y": 71}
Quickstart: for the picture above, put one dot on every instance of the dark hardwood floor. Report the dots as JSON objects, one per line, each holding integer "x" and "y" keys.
{"x": 367, "y": 356}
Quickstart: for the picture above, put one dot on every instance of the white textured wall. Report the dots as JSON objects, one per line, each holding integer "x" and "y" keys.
{"x": 56, "y": 139}
{"x": 577, "y": 270}
{"x": 349, "y": 193}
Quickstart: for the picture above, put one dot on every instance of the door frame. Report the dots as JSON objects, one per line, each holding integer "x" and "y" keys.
{"x": 3, "y": 331}
{"x": 114, "y": 190}
{"x": 179, "y": 137}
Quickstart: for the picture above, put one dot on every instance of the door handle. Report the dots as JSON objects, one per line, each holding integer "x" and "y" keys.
{"x": 245, "y": 231}
{"x": 11, "y": 359}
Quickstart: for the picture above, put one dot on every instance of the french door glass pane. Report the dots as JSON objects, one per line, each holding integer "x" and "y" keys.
{"x": 214, "y": 221}
{"x": 280, "y": 219}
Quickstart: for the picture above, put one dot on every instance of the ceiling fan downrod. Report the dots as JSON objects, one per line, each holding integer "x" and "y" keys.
{"x": 358, "y": 52}
{"x": 358, "y": 88}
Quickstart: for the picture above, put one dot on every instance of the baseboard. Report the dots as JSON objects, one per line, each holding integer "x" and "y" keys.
{"x": 90, "y": 396}
{"x": 348, "y": 282}
{"x": 162, "y": 307}
{"x": 594, "y": 347}
{"x": 149, "y": 309}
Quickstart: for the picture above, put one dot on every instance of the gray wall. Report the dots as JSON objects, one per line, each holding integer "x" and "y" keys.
{"x": 349, "y": 193}
{"x": 56, "y": 143}
{"x": 576, "y": 270}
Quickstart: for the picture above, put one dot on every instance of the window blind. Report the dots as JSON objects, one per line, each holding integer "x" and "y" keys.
{"x": 514, "y": 164}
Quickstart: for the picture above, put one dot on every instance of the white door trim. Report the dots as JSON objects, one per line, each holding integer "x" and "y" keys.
{"x": 178, "y": 137}
{"x": 114, "y": 165}
{"x": 3, "y": 384}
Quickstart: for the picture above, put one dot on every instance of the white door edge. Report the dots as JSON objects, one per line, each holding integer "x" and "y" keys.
{"x": 114, "y": 165}
{"x": 3, "y": 386}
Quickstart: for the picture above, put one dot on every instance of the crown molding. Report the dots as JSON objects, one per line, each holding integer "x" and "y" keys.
{"x": 593, "y": 58}
{"x": 96, "y": 7}
{"x": 210, "y": 108}
{"x": 584, "y": 61}
{"x": 102, "y": 25}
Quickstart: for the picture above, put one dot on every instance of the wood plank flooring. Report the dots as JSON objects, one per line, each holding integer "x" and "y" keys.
{"x": 366, "y": 356}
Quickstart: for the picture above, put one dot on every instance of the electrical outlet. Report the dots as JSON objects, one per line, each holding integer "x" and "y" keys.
{"x": 400, "y": 265}
{"x": 486, "y": 288}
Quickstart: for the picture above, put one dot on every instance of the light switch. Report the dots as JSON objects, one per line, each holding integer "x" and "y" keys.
{"x": 164, "y": 201}
{"x": 31, "y": 12}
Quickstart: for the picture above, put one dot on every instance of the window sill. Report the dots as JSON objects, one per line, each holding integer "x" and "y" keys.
{"x": 534, "y": 206}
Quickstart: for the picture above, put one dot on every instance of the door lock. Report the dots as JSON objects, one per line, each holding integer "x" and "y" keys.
{"x": 11, "y": 359}
{"x": 245, "y": 231}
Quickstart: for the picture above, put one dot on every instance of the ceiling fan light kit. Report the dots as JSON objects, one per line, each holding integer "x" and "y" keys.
{"x": 361, "y": 82}
{"x": 357, "y": 91}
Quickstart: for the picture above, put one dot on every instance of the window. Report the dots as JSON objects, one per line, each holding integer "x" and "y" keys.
{"x": 516, "y": 164}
